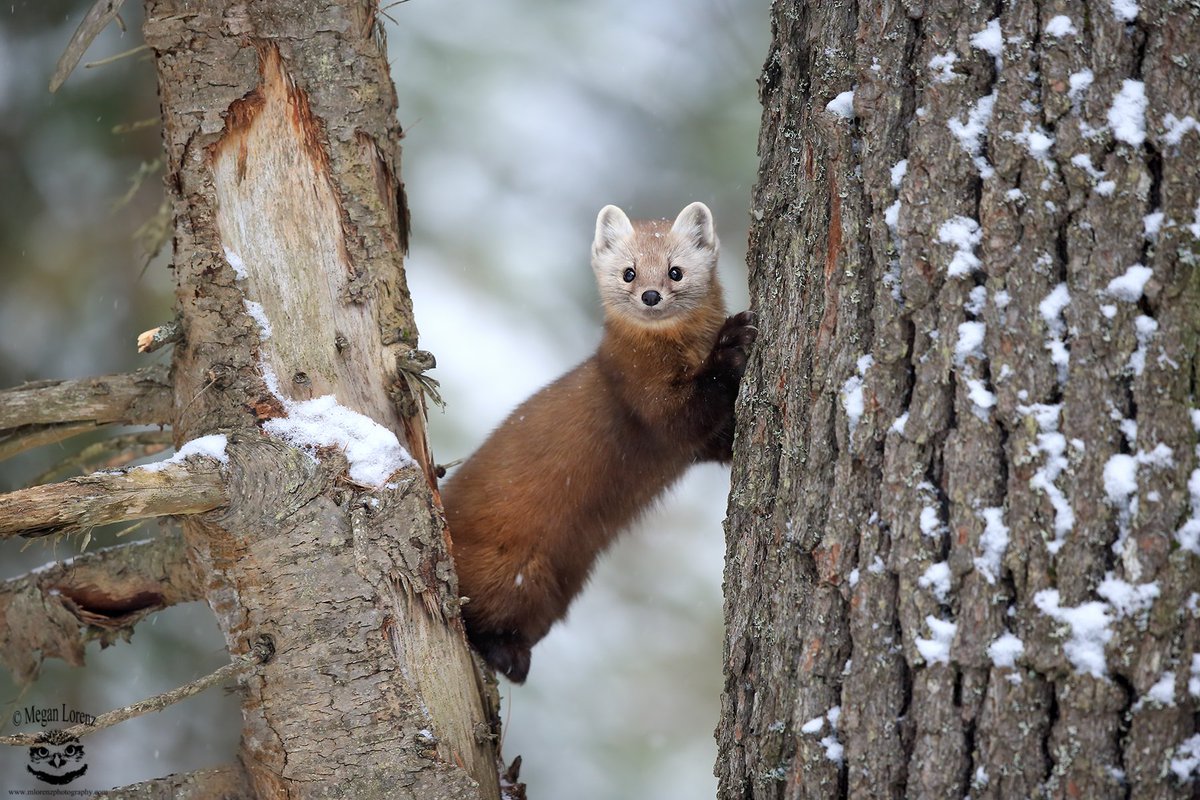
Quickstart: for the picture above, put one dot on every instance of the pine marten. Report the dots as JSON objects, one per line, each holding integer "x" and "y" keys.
{"x": 531, "y": 510}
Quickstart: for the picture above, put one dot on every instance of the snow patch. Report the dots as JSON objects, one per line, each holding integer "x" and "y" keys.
{"x": 1036, "y": 140}
{"x": 1127, "y": 599}
{"x": 899, "y": 170}
{"x": 1005, "y": 650}
{"x": 991, "y": 41}
{"x": 1186, "y": 761}
{"x": 982, "y": 399}
{"x": 236, "y": 263}
{"x": 936, "y": 650}
{"x": 1144, "y": 328}
{"x": 1127, "y": 115}
{"x": 1130, "y": 285}
{"x": 943, "y": 67}
{"x": 1079, "y": 83}
{"x": 930, "y": 523}
{"x": 891, "y": 215}
{"x": 1120, "y": 479}
{"x": 993, "y": 543}
{"x": 834, "y": 750}
{"x": 1125, "y": 10}
{"x": 965, "y": 235}
{"x": 1051, "y": 308}
{"x": 852, "y": 392}
{"x": 1052, "y": 445}
{"x": 256, "y": 312}
{"x": 970, "y": 132}
{"x": 1161, "y": 693}
{"x": 1061, "y": 27}
{"x": 1188, "y": 535}
{"x": 1176, "y": 128}
{"x": 937, "y": 580}
{"x": 1089, "y": 631}
{"x": 210, "y": 446}
{"x": 842, "y": 105}
{"x": 970, "y": 341}
{"x": 373, "y": 451}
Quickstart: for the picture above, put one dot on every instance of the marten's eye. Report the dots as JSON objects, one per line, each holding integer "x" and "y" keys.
{"x": 675, "y": 274}
{"x": 629, "y": 275}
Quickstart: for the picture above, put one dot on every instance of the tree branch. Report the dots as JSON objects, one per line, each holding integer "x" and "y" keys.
{"x": 53, "y": 611}
{"x": 221, "y": 783}
{"x": 260, "y": 653}
{"x": 96, "y": 20}
{"x": 189, "y": 487}
{"x": 48, "y": 411}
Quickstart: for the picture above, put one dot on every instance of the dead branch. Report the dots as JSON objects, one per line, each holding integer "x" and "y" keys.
{"x": 167, "y": 333}
{"x": 260, "y": 653}
{"x": 134, "y": 398}
{"x": 54, "y": 611}
{"x": 221, "y": 783}
{"x": 96, "y": 20}
{"x": 189, "y": 487}
{"x": 112, "y": 453}
{"x": 44, "y": 412}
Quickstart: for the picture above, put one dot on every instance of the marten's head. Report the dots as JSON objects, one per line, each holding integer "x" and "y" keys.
{"x": 655, "y": 271}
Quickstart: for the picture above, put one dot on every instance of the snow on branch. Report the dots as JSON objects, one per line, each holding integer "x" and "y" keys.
{"x": 169, "y": 488}
{"x": 44, "y": 412}
{"x": 55, "y": 610}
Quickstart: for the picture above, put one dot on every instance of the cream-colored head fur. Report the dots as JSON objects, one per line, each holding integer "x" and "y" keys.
{"x": 651, "y": 272}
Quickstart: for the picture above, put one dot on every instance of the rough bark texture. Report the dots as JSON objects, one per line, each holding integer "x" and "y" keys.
{"x": 44, "y": 412}
{"x": 836, "y": 520}
{"x": 228, "y": 783}
{"x": 54, "y": 611}
{"x": 282, "y": 149}
{"x": 80, "y": 504}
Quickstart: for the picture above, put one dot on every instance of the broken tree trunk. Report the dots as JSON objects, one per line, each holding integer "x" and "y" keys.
{"x": 290, "y": 227}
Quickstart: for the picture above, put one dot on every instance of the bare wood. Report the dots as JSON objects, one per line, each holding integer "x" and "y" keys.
{"x": 191, "y": 487}
{"x": 221, "y": 783}
{"x": 258, "y": 654}
{"x": 96, "y": 20}
{"x": 52, "y": 612}
{"x": 153, "y": 339}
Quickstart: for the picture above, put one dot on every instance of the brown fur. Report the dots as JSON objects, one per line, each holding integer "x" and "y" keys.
{"x": 570, "y": 468}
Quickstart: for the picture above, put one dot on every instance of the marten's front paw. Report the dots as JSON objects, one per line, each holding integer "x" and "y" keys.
{"x": 507, "y": 653}
{"x": 736, "y": 336}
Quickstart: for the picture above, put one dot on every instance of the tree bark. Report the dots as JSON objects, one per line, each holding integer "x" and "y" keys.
{"x": 971, "y": 418}
{"x": 290, "y": 227}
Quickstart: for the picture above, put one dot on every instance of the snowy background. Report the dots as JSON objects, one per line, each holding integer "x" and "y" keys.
{"x": 522, "y": 119}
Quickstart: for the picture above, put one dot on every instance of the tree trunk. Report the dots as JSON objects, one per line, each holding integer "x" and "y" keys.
{"x": 290, "y": 227}
{"x": 963, "y": 534}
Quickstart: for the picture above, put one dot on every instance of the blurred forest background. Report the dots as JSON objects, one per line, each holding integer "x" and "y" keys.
{"x": 522, "y": 119}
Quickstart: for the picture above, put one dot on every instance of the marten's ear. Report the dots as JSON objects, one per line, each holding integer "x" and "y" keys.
{"x": 695, "y": 226}
{"x": 611, "y": 226}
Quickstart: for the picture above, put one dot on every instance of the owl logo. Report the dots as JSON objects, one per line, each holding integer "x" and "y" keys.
{"x": 57, "y": 759}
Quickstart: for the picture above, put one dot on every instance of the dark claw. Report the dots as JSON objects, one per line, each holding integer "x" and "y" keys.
{"x": 508, "y": 654}
{"x": 737, "y": 335}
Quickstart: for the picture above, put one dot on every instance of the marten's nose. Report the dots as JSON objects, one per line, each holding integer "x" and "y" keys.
{"x": 651, "y": 297}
